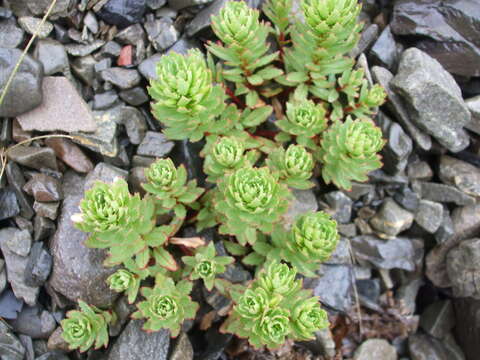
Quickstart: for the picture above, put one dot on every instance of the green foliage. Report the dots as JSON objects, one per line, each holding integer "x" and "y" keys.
{"x": 275, "y": 308}
{"x": 205, "y": 265}
{"x": 278, "y": 11}
{"x": 167, "y": 305}
{"x": 87, "y": 327}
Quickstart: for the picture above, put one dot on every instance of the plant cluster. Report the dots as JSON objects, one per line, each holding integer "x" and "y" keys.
{"x": 281, "y": 106}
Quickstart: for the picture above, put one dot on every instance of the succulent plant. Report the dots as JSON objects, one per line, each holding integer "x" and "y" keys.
{"x": 274, "y": 308}
{"x": 205, "y": 265}
{"x": 278, "y": 11}
{"x": 251, "y": 199}
{"x": 349, "y": 151}
{"x": 87, "y": 327}
{"x": 167, "y": 305}
{"x": 187, "y": 102}
{"x": 294, "y": 164}
{"x": 170, "y": 188}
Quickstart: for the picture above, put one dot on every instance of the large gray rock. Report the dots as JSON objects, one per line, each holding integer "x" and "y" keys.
{"x": 25, "y": 92}
{"x": 424, "y": 347}
{"x": 16, "y": 264}
{"x": 433, "y": 98}
{"x": 464, "y": 176}
{"x": 10, "y": 347}
{"x": 391, "y": 219}
{"x": 446, "y": 30}
{"x": 148, "y": 346}
{"x": 53, "y": 56}
{"x": 11, "y": 35}
{"x": 61, "y": 8}
{"x": 463, "y": 268}
{"x": 473, "y": 105}
{"x": 203, "y": 19}
{"x": 375, "y": 349}
{"x": 78, "y": 271}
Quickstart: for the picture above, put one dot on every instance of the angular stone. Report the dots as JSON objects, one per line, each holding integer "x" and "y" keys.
{"x": 53, "y": 57}
{"x": 135, "y": 96}
{"x": 438, "y": 319}
{"x": 62, "y": 109}
{"x": 39, "y": 266}
{"x": 155, "y": 144}
{"x": 461, "y": 174}
{"x": 183, "y": 349}
{"x": 148, "y": 346}
{"x": 391, "y": 219}
{"x": 11, "y": 36}
{"x": 147, "y": 67}
{"x": 104, "y": 139}
{"x": 105, "y": 100}
{"x": 202, "y": 20}
{"x": 17, "y": 181}
{"x": 34, "y": 25}
{"x": 446, "y": 230}
{"x": 20, "y": 244}
{"x": 25, "y": 91}
{"x": 82, "y": 50}
{"x": 46, "y": 209}
{"x": 44, "y": 188}
{"x": 407, "y": 198}
{"x": 10, "y": 305}
{"x": 136, "y": 127}
{"x": 122, "y": 78}
{"x": 132, "y": 35}
{"x": 384, "y": 51}
{"x": 368, "y": 36}
{"x": 16, "y": 266}
{"x": 70, "y": 154}
{"x": 340, "y": 206}
{"x": 397, "y": 106}
{"x": 463, "y": 268}
{"x": 444, "y": 194}
{"x": 433, "y": 98}
{"x": 8, "y": 204}
{"x": 104, "y": 172}
{"x": 162, "y": 33}
{"x": 445, "y": 30}
{"x": 34, "y": 157}
{"x": 3, "y": 277}
{"x": 424, "y": 347}
{"x": 61, "y": 8}
{"x": 78, "y": 271}
{"x": 396, "y": 253}
{"x": 467, "y": 316}
{"x": 123, "y": 12}
{"x": 42, "y": 228}
{"x": 303, "y": 201}
{"x": 35, "y": 322}
{"x": 375, "y": 349}
{"x": 419, "y": 170}
{"x": 473, "y": 104}
{"x": 182, "y": 4}
{"x": 84, "y": 68}
{"x": 10, "y": 347}
{"x": 429, "y": 215}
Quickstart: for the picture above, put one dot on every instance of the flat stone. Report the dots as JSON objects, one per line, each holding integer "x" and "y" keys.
{"x": 135, "y": 96}
{"x": 30, "y": 24}
{"x": 122, "y": 78}
{"x": 105, "y": 100}
{"x": 44, "y": 188}
{"x": 147, "y": 67}
{"x": 156, "y": 4}
{"x": 10, "y": 305}
{"x": 161, "y": 33}
{"x": 202, "y": 20}
{"x": 10, "y": 347}
{"x": 17, "y": 181}
{"x": 424, "y": 347}
{"x": 3, "y": 276}
{"x": 334, "y": 286}
{"x": 461, "y": 174}
{"x": 444, "y": 30}
{"x": 25, "y": 91}
{"x": 16, "y": 266}
{"x": 367, "y": 38}
{"x": 61, "y": 8}
{"x": 70, "y": 154}
{"x": 340, "y": 206}
{"x": 53, "y": 56}
{"x": 11, "y": 36}
{"x": 155, "y": 144}
{"x": 419, "y": 170}
{"x": 303, "y": 201}
{"x": 84, "y": 68}
{"x": 407, "y": 198}
{"x": 463, "y": 268}
{"x": 123, "y": 13}
{"x": 39, "y": 265}
{"x": 183, "y": 349}
{"x": 104, "y": 172}
{"x": 396, "y": 253}
{"x": 445, "y": 231}
{"x": 84, "y": 49}
{"x": 429, "y": 215}
{"x": 473, "y": 104}
{"x": 391, "y": 219}
{"x": 35, "y": 322}
{"x": 53, "y": 355}
{"x": 438, "y": 319}
{"x": 132, "y": 35}
{"x": 20, "y": 244}
{"x": 148, "y": 346}
{"x": 397, "y": 106}
{"x": 78, "y": 271}
{"x": 434, "y": 100}
{"x": 46, "y": 209}
{"x": 182, "y": 4}
{"x": 34, "y": 157}
{"x": 42, "y": 228}
{"x": 375, "y": 349}
{"x": 384, "y": 51}
{"x": 444, "y": 194}
{"x": 8, "y": 204}
{"x": 62, "y": 109}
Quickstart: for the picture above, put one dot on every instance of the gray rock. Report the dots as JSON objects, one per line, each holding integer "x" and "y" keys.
{"x": 182, "y": 4}
{"x": 8, "y": 204}
{"x": 91, "y": 22}
{"x": 323, "y": 344}
{"x": 42, "y": 228}
{"x": 360, "y": 189}
{"x": 34, "y": 157}
{"x": 367, "y": 38}
{"x": 10, "y": 347}
{"x": 53, "y": 57}
{"x": 61, "y": 8}
{"x": 461, "y": 174}
{"x": 56, "y": 341}
{"x": 20, "y": 244}
{"x": 384, "y": 51}
{"x": 84, "y": 49}
{"x": 391, "y": 219}
{"x": 28, "y": 345}
{"x": 155, "y": 144}
{"x": 444, "y": 194}
{"x": 122, "y": 78}
{"x": 334, "y": 286}
{"x": 16, "y": 265}
{"x": 375, "y": 349}
{"x": 438, "y": 319}
{"x": 424, "y": 347}
{"x": 435, "y": 26}
{"x": 419, "y": 170}
{"x": 429, "y": 215}
{"x": 62, "y": 109}
{"x": 203, "y": 19}
{"x": 17, "y": 181}
{"x": 34, "y": 25}
{"x": 84, "y": 69}
{"x": 467, "y": 315}
{"x": 303, "y": 201}
{"x": 44, "y": 188}
{"x": 445, "y": 230}
{"x": 132, "y": 35}
{"x": 397, "y": 106}
{"x": 78, "y": 271}
{"x": 161, "y": 33}
{"x": 123, "y": 12}
{"x": 106, "y": 100}
{"x": 407, "y": 198}
{"x": 156, "y": 4}
{"x": 3, "y": 276}
{"x": 49, "y": 210}
{"x": 396, "y": 253}
{"x": 123, "y": 310}
{"x": 28, "y": 80}
{"x": 183, "y": 349}
{"x": 39, "y": 265}
{"x": 11, "y": 36}
{"x": 53, "y": 355}
{"x": 135, "y": 96}
{"x": 104, "y": 139}
{"x": 104, "y": 172}
{"x": 463, "y": 268}
{"x": 35, "y": 322}
{"x": 433, "y": 97}
{"x": 340, "y": 206}
{"x": 473, "y": 104}
{"x": 111, "y": 49}
{"x": 406, "y": 295}
{"x": 148, "y": 346}
{"x": 368, "y": 293}
{"x": 147, "y": 66}
{"x": 70, "y": 154}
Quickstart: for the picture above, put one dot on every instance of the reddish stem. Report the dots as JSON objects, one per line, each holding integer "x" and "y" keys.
{"x": 234, "y": 98}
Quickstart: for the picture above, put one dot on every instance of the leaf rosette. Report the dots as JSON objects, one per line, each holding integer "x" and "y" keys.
{"x": 279, "y": 279}
{"x": 294, "y": 164}
{"x": 308, "y": 317}
{"x": 273, "y": 328}
{"x": 349, "y": 151}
